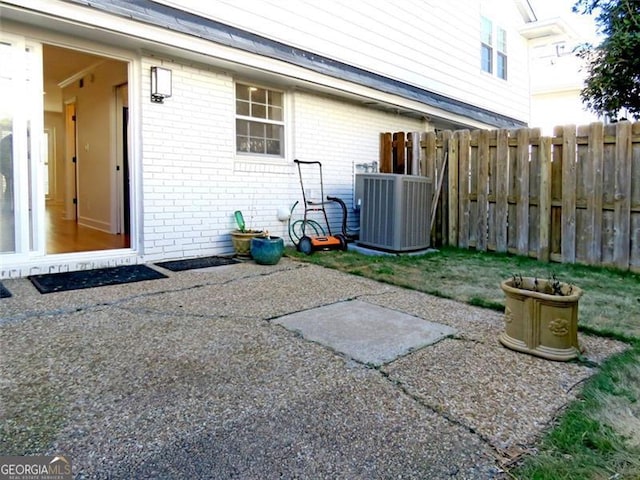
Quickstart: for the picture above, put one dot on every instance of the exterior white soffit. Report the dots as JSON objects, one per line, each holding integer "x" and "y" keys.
{"x": 548, "y": 28}
{"x": 99, "y": 26}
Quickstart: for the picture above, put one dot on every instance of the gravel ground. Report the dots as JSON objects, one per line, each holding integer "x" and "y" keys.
{"x": 187, "y": 377}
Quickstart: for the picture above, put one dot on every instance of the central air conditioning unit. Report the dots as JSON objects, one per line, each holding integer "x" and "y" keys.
{"x": 395, "y": 211}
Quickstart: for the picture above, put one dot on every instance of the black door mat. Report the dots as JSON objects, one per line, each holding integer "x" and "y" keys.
{"x": 100, "y": 277}
{"x": 193, "y": 263}
{"x": 4, "y": 293}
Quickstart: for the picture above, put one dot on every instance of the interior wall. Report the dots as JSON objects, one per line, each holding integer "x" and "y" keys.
{"x": 95, "y": 121}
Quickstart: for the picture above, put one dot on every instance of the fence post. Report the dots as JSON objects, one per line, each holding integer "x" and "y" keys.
{"x": 522, "y": 207}
{"x": 452, "y": 238}
{"x": 622, "y": 196}
{"x": 502, "y": 189}
{"x": 399, "y": 153}
{"x": 430, "y": 156}
{"x": 386, "y": 153}
{"x": 423, "y": 154}
{"x": 595, "y": 153}
{"x": 428, "y": 169}
{"x": 569, "y": 194}
{"x": 544, "y": 205}
{"x": 443, "y": 179}
{"x": 464, "y": 204}
{"x": 482, "y": 190}
{"x": 414, "y": 167}
{"x": 634, "y": 256}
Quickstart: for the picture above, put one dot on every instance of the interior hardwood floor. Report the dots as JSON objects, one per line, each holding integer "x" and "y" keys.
{"x": 66, "y": 236}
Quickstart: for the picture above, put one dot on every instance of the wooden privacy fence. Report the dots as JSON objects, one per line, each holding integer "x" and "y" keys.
{"x": 571, "y": 197}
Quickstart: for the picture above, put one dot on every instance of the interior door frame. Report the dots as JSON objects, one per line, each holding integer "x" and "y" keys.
{"x": 122, "y": 213}
{"x": 70, "y": 156}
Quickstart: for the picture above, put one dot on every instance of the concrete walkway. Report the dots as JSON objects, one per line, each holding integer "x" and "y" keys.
{"x": 215, "y": 374}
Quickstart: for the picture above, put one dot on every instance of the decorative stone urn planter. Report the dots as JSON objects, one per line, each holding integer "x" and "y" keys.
{"x": 242, "y": 241}
{"x": 267, "y": 250}
{"x": 541, "y": 318}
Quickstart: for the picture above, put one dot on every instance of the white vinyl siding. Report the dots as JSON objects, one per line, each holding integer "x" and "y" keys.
{"x": 430, "y": 44}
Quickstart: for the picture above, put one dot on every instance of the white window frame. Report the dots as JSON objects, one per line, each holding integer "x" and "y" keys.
{"x": 282, "y": 124}
{"x": 486, "y": 44}
{"x": 501, "y": 53}
{"x": 497, "y": 45}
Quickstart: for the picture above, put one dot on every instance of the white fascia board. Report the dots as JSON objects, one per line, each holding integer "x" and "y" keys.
{"x": 557, "y": 89}
{"x": 156, "y": 41}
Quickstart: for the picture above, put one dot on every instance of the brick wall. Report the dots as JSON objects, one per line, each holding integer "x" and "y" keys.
{"x": 187, "y": 165}
{"x": 192, "y": 181}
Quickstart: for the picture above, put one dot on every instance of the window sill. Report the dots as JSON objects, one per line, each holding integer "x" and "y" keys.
{"x": 258, "y": 164}
{"x": 493, "y": 75}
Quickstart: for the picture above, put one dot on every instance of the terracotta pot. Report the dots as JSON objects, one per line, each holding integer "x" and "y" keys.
{"x": 242, "y": 241}
{"x": 541, "y": 323}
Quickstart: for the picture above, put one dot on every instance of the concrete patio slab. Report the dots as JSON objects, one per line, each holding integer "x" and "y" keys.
{"x": 190, "y": 377}
{"x": 368, "y": 333}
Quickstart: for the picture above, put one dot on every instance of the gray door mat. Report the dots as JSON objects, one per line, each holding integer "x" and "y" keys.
{"x": 368, "y": 333}
{"x": 99, "y": 277}
{"x": 196, "y": 263}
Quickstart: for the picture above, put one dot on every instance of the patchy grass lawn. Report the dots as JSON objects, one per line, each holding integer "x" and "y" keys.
{"x": 610, "y": 304}
{"x": 598, "y": 435}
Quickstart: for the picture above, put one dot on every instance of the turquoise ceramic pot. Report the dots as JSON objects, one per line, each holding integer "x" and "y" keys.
{"x": 267, "y": 251}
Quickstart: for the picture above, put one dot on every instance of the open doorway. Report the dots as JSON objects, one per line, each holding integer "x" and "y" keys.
{"x": 87, "y": 206}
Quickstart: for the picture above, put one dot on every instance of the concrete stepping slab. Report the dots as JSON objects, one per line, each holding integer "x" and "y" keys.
{"x": 368, "y": 333}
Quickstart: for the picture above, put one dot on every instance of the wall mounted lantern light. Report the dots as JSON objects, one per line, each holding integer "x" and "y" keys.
{"x": 160, "y": 84}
